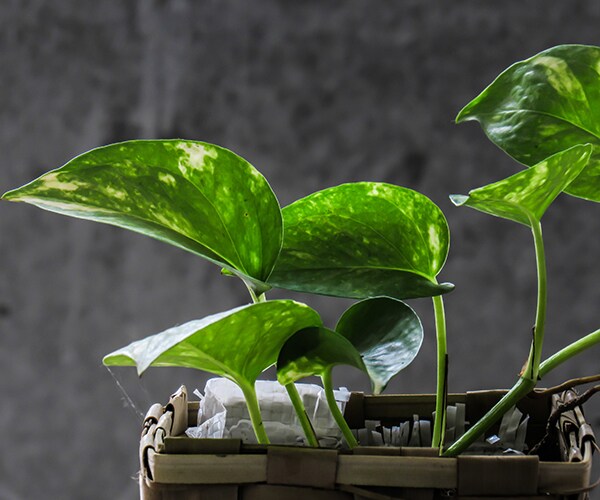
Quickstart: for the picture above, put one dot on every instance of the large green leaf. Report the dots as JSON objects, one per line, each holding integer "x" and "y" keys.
{"x": 194, "y": 195}
{"x": 363, "y": 240}
{"x": 525, "y": 196}
{"x": 315, "y": 351}
{"x": 386, "y": 332}
{"x": 238, "y": 344}
{"x": 544, "y": 105}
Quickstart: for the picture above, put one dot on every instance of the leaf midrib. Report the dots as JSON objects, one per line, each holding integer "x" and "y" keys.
{"x": 121, "y": 166}
{"x": 197, "y": 188}
{"x": 544, "y": 113}
{"x": 331, "y": 268}
{"x": 416, "y": 226}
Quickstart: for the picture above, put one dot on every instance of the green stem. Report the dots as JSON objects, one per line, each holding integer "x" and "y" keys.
{"x": 254, "y": 410}
{"x": 439, "y": 425}
{"x": 257, "y": 424}
{"x": 519, "y": 390}
{"x": 255, "y": 298}
{"x": 531, "y": 371}
{"x": 249, "y": 390}
{"x": 307, "y": 427}
{"x": 568, "y": 352}
{"x": 335, "y": 411}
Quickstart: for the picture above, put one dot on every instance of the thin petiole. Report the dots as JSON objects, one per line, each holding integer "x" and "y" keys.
{"x": 531, "y": 371}
{"x": 307, "y": 427}
{"x": 439, "y": 424}
{"x": 335, "y": 411}
{"x": 254, "y": 411}
{"x": 519, "y": 390}
{"x": 569, "y": 351}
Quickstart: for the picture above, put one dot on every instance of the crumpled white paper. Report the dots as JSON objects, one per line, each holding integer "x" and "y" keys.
{"x": 223, "y": 413}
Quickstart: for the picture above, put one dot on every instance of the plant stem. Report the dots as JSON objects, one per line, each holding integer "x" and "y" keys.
{"x": 531, "y": 372}
{"x": 307, "y": 427}
{"x": 520, "y": 389}
{"x": 254, "y": 411}
{"x": 255, "y": 298}
{"x": 439, "y": 425}
{"x": 249, "y": 390}
{"x": 335, "y": 411}
{"x": 568, "y": 352}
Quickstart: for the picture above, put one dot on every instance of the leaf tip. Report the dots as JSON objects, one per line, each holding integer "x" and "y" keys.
{"x": 459, "y": 199}
{"x": 10, "y": 196}
{"x": 464, "y": 115}
{"x": 110, "y": 360}
{"x": 227, "y": 272}
{"x": 118, "y": 359}
{"x": 588, "y": 147}
{"x": 447, "y": 287}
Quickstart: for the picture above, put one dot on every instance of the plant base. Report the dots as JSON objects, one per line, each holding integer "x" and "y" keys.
{"x": 174, "y": 467}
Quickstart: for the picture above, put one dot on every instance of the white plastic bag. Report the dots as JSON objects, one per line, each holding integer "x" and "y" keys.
{"x": 223, "y": 412}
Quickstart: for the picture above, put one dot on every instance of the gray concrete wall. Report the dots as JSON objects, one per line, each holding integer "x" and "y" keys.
{"x": 313, "y": 94}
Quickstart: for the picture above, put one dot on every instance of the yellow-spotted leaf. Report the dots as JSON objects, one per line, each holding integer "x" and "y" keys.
{"x": 197, "y": 196}
{"x": 238, "y": 344}
{"x": 363, "y": 240}
{"x": 525, "y": 196}
{"x": 544, "y": 105}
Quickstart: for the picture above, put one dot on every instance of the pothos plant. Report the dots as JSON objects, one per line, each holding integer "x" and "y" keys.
{"x": 375, "y": 242}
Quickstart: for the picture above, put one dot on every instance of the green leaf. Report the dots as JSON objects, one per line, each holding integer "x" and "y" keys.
{"x": 525, "y": 196}
{"x": 386, "y": 332}
{"x": 544, "y": 105}
{"x": 194, "y": 195}
{"x": 363, "y": 240}
{"x": 315, "y": 351}
{"x": 238, "y": 344}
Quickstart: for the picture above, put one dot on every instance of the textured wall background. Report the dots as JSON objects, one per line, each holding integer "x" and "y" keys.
{"x": 313, "y": 94}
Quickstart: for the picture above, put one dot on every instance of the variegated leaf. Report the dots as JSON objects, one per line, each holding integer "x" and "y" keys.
{"x": 525, "y": 196}
{"x": 544, "y": 105}
{"x": 194, "y": 195}
{"x": 315, "y": 351}
{"x": 238, "y": 344}
{"x": 363, "y": 240}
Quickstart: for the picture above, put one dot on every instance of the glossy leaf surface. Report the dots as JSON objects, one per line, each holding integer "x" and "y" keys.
{"x": 525, "y": 196}
{"x": 362, "y": 240}
{"x": 194, "y": 195}
{"x": 544, "y": 105}
{"x": 315, "y": 351}
{"x": 238, "y": 344}
{"x": 386, "y": 332}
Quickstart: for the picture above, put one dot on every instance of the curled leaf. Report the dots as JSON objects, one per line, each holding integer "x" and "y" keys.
{"x": 525, "y": 196}
{"x": 386, "y": 332}
{"x": 238, "y": 344}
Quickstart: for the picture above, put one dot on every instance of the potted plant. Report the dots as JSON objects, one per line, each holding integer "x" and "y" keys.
{"x": 375, "y": 242}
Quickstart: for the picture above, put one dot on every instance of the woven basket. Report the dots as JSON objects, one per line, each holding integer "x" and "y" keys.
{"x": 175, "y": 467}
